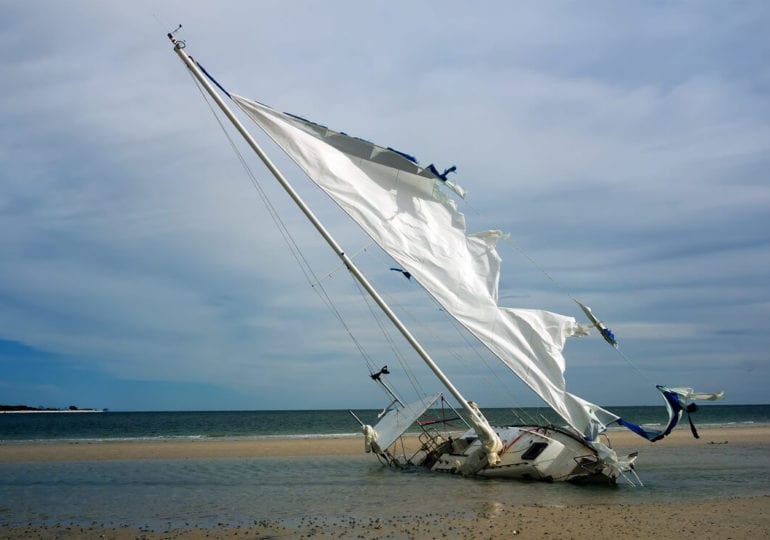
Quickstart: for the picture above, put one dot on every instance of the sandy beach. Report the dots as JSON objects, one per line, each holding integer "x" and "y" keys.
{"x": 717, "y": 517}
{"x": 326, "y": 446}
{"x": 745, "y": 518}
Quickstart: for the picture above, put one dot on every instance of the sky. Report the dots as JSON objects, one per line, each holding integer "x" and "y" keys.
{"x": 624, "y": 146}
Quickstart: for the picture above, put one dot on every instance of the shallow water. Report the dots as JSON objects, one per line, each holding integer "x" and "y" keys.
{"x": 206, "y": 492}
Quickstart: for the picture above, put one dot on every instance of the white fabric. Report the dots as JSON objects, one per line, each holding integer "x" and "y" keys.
{"x": 370, "y": 440}
{"x": 688, "y": 394}
{"x": 404, "y": 210}
{"x": 395, "y": 422}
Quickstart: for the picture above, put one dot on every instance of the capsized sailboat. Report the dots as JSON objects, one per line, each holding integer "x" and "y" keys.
{"x": 408, "y": 210}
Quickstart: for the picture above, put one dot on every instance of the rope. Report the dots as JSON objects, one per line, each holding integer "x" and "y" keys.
{"x": 294, "y": 248}
{"x": 316, "y": 284}
{"x": 569, "y": 295}
{"x": 490, "y": 374}
{"x": 415, "y": 383}
{"x": 307, "y": 270}
{"x": 559, "y": 287}
{"x": 518, "y": 410}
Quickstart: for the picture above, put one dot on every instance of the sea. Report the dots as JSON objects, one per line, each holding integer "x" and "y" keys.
{"x": 160, "y": 494}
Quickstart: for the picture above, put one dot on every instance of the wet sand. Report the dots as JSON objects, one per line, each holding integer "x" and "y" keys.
{"x": 725, "y": 517}
{"x": 714, "y": 519}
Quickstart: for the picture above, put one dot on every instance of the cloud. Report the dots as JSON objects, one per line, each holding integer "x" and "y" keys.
{"x": 624, "y": 149}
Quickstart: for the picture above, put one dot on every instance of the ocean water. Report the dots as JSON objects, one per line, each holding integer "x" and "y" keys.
{"x": 162, "y": 494}
{"x": 246, "y": 424}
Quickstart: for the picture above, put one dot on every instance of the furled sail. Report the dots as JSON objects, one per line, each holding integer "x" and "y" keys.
{"x": 402, "y": 207}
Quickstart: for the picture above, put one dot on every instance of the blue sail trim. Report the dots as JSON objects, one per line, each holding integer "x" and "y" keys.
{"x": 363, "y": 149}
{"x": 609, "y": 336}
{"x": 212, "y": 79}
{"x": 441, "y": 176}
{"x": 407, "y": 275}
{"x": 675, "y": 409}
{"x": 404, "y": 155}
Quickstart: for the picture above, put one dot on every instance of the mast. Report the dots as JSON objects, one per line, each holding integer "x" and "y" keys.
{"x": 491, "y": 441}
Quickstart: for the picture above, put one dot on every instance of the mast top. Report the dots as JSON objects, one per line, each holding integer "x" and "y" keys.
{"x": 170, "y": 35}
{"x": 491, "y": 442}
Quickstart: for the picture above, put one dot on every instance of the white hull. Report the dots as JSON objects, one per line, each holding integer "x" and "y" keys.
{"x": 530, "y": 453}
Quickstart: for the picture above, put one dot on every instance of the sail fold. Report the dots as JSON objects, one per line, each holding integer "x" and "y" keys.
{"x": 678, "y": 401}
{"x": 403, "y": 208}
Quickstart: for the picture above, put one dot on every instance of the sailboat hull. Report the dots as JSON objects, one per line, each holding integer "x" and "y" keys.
{"x": 537, "y": 453}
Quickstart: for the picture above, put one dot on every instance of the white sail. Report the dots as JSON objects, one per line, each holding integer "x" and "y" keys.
{"x": 403, "y": 208}
{"x": 394, "y": 422}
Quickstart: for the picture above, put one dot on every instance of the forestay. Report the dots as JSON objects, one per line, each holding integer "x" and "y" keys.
{"x": 403, "y": 208}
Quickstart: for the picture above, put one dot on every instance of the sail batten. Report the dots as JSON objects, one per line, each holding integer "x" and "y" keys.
{"x": 402, "y": 206}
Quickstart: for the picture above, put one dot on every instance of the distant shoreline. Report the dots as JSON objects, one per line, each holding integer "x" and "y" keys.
{"x": 50, "y": 411}
{"x": 16, "y": 409}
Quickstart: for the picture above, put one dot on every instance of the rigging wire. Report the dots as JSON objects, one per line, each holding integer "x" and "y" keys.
{"x": 316, "y": 284}
{"x": 310, "y": 276}
{"x": 353, "y": 256}
{"x": 572, "y": 297}
{"x": 518, "y": 410}
{"x": 294, "y": 248}
{"x": 564, "y": 291}
{"x": 415, "y": 383}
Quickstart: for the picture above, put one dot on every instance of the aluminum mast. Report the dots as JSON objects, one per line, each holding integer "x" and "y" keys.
{"x": 492, "y": 444}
